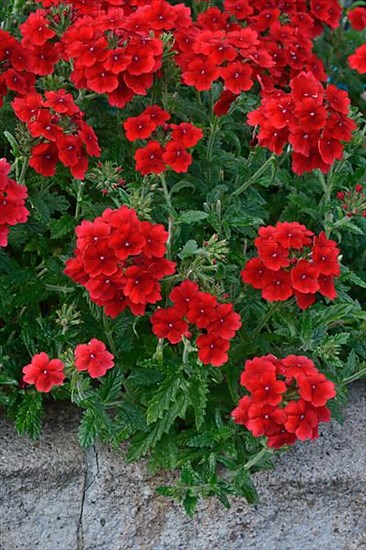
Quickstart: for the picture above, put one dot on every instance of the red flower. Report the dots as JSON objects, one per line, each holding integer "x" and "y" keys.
{"x": 155, "y": 239}
{"x": 69, "y": 148}
{"x": 177, "y": 157}
{"x": 294, "y": 366}
{"x": 44, "y": 159}
{"x": 226, "y": 323}
{"x": 357, "y": 61}
{"x": 168, "y": 323}
{"x": 223, "y": 104}
{"x": 182, "y": 295}
{"x": 273, "y": 255}
{"x": 304, "y": 277}
{"x": 43, "y": 372}
{"x": 139, "y": 284}
{"x": 357, "y": 18}
{"x": 237, "y": 77}
{"x": 255, "y": 273}
{"x": 268, "y": 390}
{"x": 186, "y": 134}
{"x": 264, "y": 420}
{"x": 200, "y": 73}
{"x": 326, "y": 286}
{"x": 35, "y": 29}
{"x": 149, "y": 159}
{"x": 301, "y": 420}
{"x": 99, "y": 259}
{"x": 277, "y": 286}
{"x": 61, "y": 102}
{"x": 292, "y": 235}
{"x": 212, "y": 350}
{"x": 304, "y": 300}
{"x": 316, "y": 389}
{"x": 127, "y": 241}
{"x": 100, "y": 80}
{"x": 42, "y": 126}
{"x": 27, "y": 107}
{"x": 157, "y": 115}
{"x": 94, "y": 358}
{"x": 202, "y": 309}
{"x": 139, "y": 127}
{"x": 311, "y": 115}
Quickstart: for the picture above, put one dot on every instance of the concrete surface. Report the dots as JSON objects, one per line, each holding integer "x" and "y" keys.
{"x": 55, "y": 496}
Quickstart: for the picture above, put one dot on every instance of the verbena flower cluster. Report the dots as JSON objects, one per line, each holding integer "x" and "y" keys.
{"x": 312, "y": 119}
{"x": 217, "y": 322}
{"x": 171, "y": 150}
{"x": 120, "y": 261}
{"x": 293, "y": 262}
{"x": 12, "y": 202}
{"x": 287, "y": 400}
{"x": 61, "y": 132}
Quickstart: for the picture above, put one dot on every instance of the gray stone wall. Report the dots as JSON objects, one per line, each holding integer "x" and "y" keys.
{"x": 55, "y": 496}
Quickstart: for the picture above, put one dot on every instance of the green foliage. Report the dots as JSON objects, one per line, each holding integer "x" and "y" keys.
{"x": 171, "y": 408}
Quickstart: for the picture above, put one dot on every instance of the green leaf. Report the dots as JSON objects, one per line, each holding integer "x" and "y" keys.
{"x": 163, "y": 396}
{"x": 244, "y": 486}
{"x": 188, "y": 250}
{"x": 59, "y": 228}
{"x": 28, "y": 418}
{"x": 88, "y": 430}
{"x": 198, "y": 393}
{"x": 193, "y": 216}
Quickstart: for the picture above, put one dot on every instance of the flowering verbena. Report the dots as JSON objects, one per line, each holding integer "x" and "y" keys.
{"x": 120, "y": 261}
{"x": 171, "y": 150}
{"x": 311, "y": 118}
{"x": 357, "y": 18}
{"x": 353, "y": 201}
{"x": 44, "y": 373}
{"x": 116, "y": 48}
{"x": 94, "y": 358}
{"x": 287, "y": 400}
{"x": 218, "y": 323}
{"x": 60, "y": 130}
{"x": 142, "y": 130}
{"x": 12, "y": 202}
{"x": 292, "y": 261}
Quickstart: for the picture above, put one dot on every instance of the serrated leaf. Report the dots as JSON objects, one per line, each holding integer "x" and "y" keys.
{"x": 163, "y": 396}
{"x": 28, "y": 418}
{"x": 88, "y": 429}
{"x": 59, "y": 228}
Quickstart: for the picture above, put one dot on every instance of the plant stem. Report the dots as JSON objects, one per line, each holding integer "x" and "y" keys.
{"x": 170, "y": 217}
{"x": 273, "y": 308}
{"x": 166, "y": 191}
{"x": 109, "y": 335}
{"x": 212, "y": 137}
{"x": 23, "y": 171}
{"x": 354, "y": 377}
{"x": 255, "y": 176}
{"x": 79, "y": 198}
{"x": 256, "y": 458}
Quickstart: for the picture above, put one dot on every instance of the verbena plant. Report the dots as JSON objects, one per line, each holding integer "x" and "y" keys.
{"x": 182, "y": 226}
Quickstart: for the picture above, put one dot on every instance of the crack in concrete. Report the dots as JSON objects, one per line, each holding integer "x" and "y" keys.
{"x": 91, "y": 463}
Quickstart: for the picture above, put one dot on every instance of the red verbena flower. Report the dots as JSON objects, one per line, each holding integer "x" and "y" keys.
{"x": 43, "y": 372}
{"x": 94, "y": 358}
